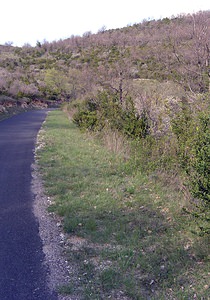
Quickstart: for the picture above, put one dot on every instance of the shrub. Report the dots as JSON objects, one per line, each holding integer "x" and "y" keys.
{"x": 199, "y": 164}
{"x": 86, "y": 115}
{"x": 193, "y": 138}
{"x": 106, "y": 111}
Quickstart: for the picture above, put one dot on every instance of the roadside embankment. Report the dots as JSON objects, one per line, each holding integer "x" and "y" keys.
{"x": 125, "y": 231}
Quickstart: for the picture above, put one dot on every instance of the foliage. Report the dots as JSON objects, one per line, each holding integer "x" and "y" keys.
{"x": 199, "y": 166}
{"x": 56, "y": 83}
{"x": 86, "y": 115}
{"x": 174, "y": 49}
{"x": 107, "y": 112}
{"x": 193, "y": 137}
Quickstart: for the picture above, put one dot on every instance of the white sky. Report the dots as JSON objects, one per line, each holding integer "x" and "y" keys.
{"x": 29, "y": 21}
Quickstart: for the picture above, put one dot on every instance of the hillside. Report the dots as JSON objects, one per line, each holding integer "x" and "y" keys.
{"x": 174, "y": 49}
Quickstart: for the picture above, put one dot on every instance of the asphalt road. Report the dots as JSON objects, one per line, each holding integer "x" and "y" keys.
{"x": 23, "y": 275}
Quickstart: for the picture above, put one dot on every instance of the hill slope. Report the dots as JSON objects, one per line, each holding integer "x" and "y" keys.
{"x": 174, "y": 49}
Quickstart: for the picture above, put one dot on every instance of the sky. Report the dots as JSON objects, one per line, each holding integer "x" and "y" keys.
{"x": 28, "y": 21}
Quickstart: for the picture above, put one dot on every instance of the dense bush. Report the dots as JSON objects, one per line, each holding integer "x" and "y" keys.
{"x": 193, "y": 139}
{"x": 85, "y": 115}
{"x": 106, "y": 111}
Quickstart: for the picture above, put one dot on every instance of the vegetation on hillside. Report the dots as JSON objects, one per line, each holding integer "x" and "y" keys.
{"x": 175, "y": 49}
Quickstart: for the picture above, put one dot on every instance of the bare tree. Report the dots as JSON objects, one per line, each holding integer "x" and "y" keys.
{"x": 114, "y": 73}
{"x": 193, "y": 55}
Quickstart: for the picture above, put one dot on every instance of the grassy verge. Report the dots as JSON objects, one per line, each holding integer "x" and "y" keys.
{"x": 126, "y": 231}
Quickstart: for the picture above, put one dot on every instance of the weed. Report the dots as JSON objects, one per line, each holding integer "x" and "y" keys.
{"x": 66, "y": 289}
{"x": 109, "y": 279}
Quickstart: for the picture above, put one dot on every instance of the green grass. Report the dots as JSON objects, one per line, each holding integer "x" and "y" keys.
{"x": 127, "y": 232}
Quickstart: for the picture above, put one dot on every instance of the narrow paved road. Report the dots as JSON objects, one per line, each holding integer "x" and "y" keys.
{"x": 22, "y": 273}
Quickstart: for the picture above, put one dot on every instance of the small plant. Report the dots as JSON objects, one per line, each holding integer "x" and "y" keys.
{"x": 109, "y": 279}
{"x": 66, "y": 289}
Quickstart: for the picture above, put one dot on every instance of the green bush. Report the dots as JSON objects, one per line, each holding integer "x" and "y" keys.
{"x": 193, "y": 139}
{"x": 199, "y": 166}
{"x": 107, "y": 111}
{"x": 86, "y": 115}
{"x": 86, "y": 119}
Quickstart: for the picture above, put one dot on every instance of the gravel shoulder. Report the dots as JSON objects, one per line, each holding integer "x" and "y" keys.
{"x": 53, "y": 239}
